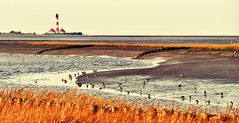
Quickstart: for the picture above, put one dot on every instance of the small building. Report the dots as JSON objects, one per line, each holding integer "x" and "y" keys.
{"x": 52, "y": 31}
{"x": 62, "y": 31}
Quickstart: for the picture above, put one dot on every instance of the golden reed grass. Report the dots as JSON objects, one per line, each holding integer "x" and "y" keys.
{"x": 27, "y": 106}
{"x": 234, "y": 46}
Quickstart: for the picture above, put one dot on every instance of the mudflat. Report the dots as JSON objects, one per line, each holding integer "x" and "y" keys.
{"x": 187, "y": 63}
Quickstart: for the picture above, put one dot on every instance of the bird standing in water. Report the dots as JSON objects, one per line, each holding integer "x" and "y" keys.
{"x": 149, "y": 96}
{"x": 221, "y": 95}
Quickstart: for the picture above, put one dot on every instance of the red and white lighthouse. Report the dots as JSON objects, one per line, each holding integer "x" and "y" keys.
{"x": 57, "y": 23}
{"x": 57, "y": 30}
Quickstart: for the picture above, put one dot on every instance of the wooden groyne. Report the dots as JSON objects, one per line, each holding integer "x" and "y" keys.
{"x": 159, "y": 50}
{"x": 64, "y": 47}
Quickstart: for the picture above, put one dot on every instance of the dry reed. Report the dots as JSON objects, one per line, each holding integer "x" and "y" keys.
{"x": 27, "y": 106}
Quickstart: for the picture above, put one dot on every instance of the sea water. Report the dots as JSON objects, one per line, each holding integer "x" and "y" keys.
{"x": 47, "y": 71}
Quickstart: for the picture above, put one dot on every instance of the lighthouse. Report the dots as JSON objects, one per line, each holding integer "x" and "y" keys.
{"x": 57, "y": 29}
{"x": 57, "y": 23}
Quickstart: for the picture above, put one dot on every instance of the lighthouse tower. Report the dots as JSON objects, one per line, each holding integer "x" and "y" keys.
{"x": 57, "y": 23}
{"x": 57, "y": 29}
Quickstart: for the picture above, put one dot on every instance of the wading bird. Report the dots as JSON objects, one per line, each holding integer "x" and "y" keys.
{"x": 195, "y": 89}
{"x": 121, "y": 89}
{"x": 119, "y": 83}
{"x": 144, "y": 83}
{"x": 190, "y": 97}
{"x": 221, "y": 95}
{"x": 180, "y": 85}
{"x": 70, "y": 77}
{"x": 181, "y": 74}
{"x": 165, "y": 75}
{"x": 197, "y": 101}
{"x": 208, "y": 102}
{"x": 79, "y": 84}
{"x": 103, "y": 84}
{"x": 149, "y": 96}
{"x": 83, "y": 72}
{"x": 92, "y": 85}
{"x": 141, "y": 92}
{"x": 183, "y": 98}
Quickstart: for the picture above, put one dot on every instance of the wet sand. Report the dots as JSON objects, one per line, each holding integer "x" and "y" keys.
{"x": 208, "y": 67}
{"x": 192, "y": 63}
{"x": 19, "y": 48}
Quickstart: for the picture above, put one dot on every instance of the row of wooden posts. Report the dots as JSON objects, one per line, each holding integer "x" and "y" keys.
{"x": 64, "y": 47}
{"x": 159, "y": 50}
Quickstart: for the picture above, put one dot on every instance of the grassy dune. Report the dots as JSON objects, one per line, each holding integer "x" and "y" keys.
{"x": 27, "y": 106}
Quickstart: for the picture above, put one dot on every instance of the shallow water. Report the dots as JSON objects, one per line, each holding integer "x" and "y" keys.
{"x": 47, "y": 71}
{"x": 25, "y": 69}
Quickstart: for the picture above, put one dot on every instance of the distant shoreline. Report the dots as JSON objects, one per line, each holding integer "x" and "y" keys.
{"x": 84, "y": 35}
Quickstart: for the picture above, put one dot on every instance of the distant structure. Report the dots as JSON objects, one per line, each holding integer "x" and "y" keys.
{"x": 57, "y": 23}
{"x": 57, "y": 30}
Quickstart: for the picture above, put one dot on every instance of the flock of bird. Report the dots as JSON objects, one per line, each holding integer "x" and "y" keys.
{"x": 144, "y": 83}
